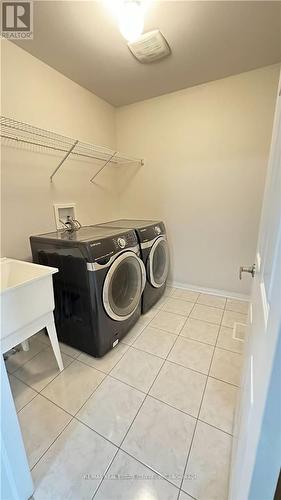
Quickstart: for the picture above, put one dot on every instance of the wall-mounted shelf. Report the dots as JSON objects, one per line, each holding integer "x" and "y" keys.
{"x": 27, "y": 134}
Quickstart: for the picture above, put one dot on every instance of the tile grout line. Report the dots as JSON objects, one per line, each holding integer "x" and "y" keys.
{"x": 115, "y": 378}
{"x": 63, "y": 409}
{"x": 119, "y": 446}
{"x": 177, "y": 313}
{"x": 154, "y": 328}
{"x": 207, "y": 305}
{"x": 146, "y": 395}
{"x": 45, "y": 348}
{"x": 106, "y": 375}
{"x": 145, "y": 398}
{"x": 159, "y": 357}
{"x": 102, "y": 436}
{"x": 74, "y": 416}
{"x": 142, "y": 392}
{"x": 158, "y": 376}
{"x": 60, "y": 433}
{"x": 166, "y": 358}
{"x": 180, "y": 486}
{"x": 73, "y": 359}
{"x": 131, "y": 345}
{"x": 104, "y": 474}
{"x": 64, "y": 368}
{"x": 211, "y": 345}
{"x": 109, "y": 374}
{"x": 223, "y": 296}
{"x": 161, "y": 330}
{"x": 208, "y": 376}
{"x": 49, "y": 347}
{"x": 127, "y": 453}
{"x": 129, "y": 428}
{"x": 40, "y": 392}
{"x": 76, "y": 359}
{"x": 202, "y": 398}
{"x": 36, "y": 394}
{"x": 188, "y": 414}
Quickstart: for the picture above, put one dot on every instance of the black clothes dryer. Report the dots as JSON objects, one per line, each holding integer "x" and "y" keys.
{"x": 98, "y": 287}
{"x": 154, "y": 253}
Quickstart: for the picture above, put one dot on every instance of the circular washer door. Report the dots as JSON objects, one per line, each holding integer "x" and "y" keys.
{"x": 123, "y": 286}
{"x": 158, "y": 262}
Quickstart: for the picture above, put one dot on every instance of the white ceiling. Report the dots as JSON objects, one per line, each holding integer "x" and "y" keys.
{"x": 209, "y": 40}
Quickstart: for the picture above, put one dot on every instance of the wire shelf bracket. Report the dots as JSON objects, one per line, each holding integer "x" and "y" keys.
{"x": 63, "y": 160}
{"x": 106, "y": 163}
{"x": 28, "y": 134}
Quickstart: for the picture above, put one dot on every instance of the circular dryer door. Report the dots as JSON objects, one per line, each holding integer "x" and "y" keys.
{"x": 123, "y": 286}
{"x": 158, "y": 262}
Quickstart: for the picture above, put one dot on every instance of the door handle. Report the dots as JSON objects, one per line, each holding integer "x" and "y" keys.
{"x": 247, "y": 269}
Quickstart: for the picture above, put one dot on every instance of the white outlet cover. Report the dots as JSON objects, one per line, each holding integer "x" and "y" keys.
{"x": 61, "y": 211}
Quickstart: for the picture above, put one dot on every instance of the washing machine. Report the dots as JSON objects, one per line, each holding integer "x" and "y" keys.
{"x": 154, "y": 253}
{"x": 99, "y": 285}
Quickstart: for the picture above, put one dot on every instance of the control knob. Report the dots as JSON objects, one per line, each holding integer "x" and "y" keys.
{"x": 121, "y": 242}
{"x": 157, "y": 229}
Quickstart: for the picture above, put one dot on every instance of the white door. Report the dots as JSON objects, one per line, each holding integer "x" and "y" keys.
{"x": 16, "y": 481}
{"x": 253, "y": 427}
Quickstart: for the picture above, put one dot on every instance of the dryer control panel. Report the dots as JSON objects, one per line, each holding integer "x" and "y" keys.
{"x": 148, "y": 233}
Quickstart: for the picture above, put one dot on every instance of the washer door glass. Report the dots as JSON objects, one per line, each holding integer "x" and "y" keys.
{"x": 123, "y": 286}
{"x": 158, "y": 262}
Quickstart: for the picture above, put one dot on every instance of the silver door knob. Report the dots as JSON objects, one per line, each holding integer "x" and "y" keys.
{"x": 247, "y": 269}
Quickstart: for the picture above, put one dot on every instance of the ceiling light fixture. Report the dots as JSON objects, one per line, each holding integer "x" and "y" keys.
{"x": 130, "y": 16}
{"x": 131, "y": 19}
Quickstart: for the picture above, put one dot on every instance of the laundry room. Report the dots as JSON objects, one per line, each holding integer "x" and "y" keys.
{"x": 140, "y": 250}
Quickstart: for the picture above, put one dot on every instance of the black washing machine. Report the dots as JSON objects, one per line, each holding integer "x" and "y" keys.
{"x": 98, "y": 287}
{"x": 154, "y": 253}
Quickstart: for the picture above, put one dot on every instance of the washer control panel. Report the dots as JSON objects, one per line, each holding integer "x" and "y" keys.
{"x": 121, "y": 242}
{"x": 125, "y": 240}
{"x": 106, "y": 247}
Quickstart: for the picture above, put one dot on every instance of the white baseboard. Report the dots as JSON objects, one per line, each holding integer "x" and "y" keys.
{"x": 213, "y": 291}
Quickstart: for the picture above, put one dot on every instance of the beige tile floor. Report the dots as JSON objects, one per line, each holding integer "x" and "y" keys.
{"x": 151, "y": 419}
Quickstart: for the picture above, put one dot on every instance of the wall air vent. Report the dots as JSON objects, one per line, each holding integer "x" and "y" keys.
{"x": 150, "y": 47}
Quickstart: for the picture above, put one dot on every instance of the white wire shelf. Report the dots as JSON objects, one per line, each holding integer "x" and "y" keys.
{"x": 28, "y": 134}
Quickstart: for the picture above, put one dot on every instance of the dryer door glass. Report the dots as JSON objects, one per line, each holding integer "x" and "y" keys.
{"x": 123, "y": 286}
{"x": 158, "y": 262}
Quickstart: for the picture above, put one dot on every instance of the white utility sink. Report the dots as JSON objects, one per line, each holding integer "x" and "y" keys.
{"x": 27, "y": 303}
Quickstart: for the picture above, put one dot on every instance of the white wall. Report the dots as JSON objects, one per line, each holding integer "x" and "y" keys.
{"x": 205, "y": 151}
{"x": 37, "y": 94}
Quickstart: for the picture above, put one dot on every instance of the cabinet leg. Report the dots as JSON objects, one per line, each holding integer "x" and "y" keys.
{"x": 51, "y": 329}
